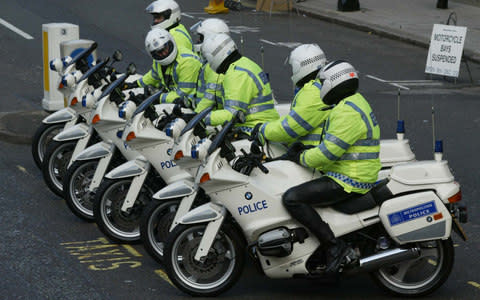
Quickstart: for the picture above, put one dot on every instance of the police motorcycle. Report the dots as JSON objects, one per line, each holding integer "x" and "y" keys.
{"x": 88, "y": 165}
{"x": 400, "y": 231}
{"x": 126, "y": 190}
{"x": 175, "y": 200}
{"x": 60, "y": 149}
{"x": 69, "y": 69}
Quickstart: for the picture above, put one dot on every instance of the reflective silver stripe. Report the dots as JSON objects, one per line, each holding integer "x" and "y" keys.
{"x": 327, "y": 152}
{"x": 318, "y": 85}
{"x": 220, "y": 47}
{"x": 259, "y": 108}
{"x": 367, "y": 143}
{"x": 303, "y": 160}
{"x": 287, "y": 129}
{"x": 214, "y": 86}
{"x": 262, "y": 129}
{"x": 230, "y": 109}
{"x": 360, "y": 156}
{"x": 261, "y": 99}
{"x": 175, "y": 75}
{"x": 209, "y": 96}
{"x": 350, "y": 181}
{"x": 245, "y": 129}
{"x": 189, "y": 55}
{"x": 155, "y": 76}
{"x": 337, "y": 141}
{"x": 300, "y": 120}
{"x": 364, "y": 118}
{"x": 142, "y": 84}
{"x": 312, "y": 137}
{"x": 237, "y": 103}
{"x": 186, "y": 85}
{"x": 163, "y": 98}
{"x": 255, "y": 79}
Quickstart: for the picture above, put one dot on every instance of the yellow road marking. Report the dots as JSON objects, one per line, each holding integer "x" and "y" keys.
{"x": 22, "y": 169}
{"x": 132, "y": 251}
{"x": 164, "y": 276}
{"x": 475, "y": 284}
{"x": 100, "y": 260}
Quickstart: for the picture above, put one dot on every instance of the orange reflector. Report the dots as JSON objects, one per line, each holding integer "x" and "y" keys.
{"x": 437, "y": 216}
{"x": 60, "y": 86}
{"x": 95, "y": 119}
{"x": 178, "y": 155}
{"x": 455, "y": 198}
{"x": 205, "y": 177}
{"x": 131, "y": 135}
{"x": 74, "y": 101}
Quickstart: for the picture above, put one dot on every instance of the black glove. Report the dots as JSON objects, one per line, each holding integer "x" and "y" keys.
{"x": 150, "y": 113}
{"x": 129, "y": 85}
{"x": 183, "y": 102}
{"x": 256, "y": 136}
{"x": 295, "y": 150}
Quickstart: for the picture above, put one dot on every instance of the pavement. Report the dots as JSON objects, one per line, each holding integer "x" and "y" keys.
{"x": 406, "y": 20}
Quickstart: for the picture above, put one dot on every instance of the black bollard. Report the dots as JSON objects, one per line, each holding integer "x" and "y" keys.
{"x": 348, "y": 5}
{"x": 443, "y": 4}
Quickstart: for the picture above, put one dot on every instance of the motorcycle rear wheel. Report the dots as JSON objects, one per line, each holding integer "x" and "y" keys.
{"x": 420, "y": 276}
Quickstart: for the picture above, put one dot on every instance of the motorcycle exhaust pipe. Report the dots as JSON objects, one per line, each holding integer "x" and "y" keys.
{"x": 388, "y": 257}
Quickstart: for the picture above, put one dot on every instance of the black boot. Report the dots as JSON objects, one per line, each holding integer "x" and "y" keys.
{"x": 336, "y": 255}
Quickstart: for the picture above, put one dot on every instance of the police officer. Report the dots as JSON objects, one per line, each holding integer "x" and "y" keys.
{"x": 175, "y": 69}
{"x": 348, "y": 156}
{"x": 308, "y": 112}
{"x": 166, "y": 15}
{"x": 246, "y": 87}
{"x": 209, "y": 83}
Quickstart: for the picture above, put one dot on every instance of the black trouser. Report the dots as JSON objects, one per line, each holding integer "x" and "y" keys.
{"x": 320, "y": 192}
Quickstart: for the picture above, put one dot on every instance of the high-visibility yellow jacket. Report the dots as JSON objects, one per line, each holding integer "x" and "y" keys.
{"x": 246, "y": 88}
{"x": 182, "y": 40}
{"x": 305, "y": 120}
{"x": 349, "y": 151}
{"x": 209, "y": 89}
{"x": 179, "y": 78}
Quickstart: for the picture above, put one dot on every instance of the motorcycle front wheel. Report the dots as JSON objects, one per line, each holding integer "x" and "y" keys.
{"x": 419, "y": 276}
{"x": 55, "y": 163}
{"x": 119, "y": 226}
{"x": 217, "y": 273}
{"x": 155, "y": 226}
{"x": 76, "y": 188}
{"x": 44, "y": 134}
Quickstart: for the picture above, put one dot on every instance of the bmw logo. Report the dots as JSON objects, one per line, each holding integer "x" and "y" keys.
{"x": 169, "y": 151}
{"x": 248, "y": 196}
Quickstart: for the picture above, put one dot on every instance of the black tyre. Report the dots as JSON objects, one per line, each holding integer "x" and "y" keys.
{"x": 419, "y": 276}
{"x": 41, "y": 138}
{"x": 76, "y": 184}
{"x": 217, "y": 273}
{"x": 55, "y": 163}
{"x": 155, "y": 226}
{"x": 117, "y": 225}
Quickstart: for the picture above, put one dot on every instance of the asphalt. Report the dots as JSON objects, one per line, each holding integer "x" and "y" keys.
{"x": 410, "y": 21}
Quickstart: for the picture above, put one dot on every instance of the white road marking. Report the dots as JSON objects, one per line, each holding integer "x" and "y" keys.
{"x": 387, "y": 82}
{"x": 188, "y": 15}
{"x": 290, "y": 45}
{"x": 15, "y": 29}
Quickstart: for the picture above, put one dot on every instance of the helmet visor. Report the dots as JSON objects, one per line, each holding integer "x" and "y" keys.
{"x": 164, "y": 52}
{"x": 160, "y": 17}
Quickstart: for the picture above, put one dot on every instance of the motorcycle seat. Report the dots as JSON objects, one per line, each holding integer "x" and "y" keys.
{"x": 375, "y": 197}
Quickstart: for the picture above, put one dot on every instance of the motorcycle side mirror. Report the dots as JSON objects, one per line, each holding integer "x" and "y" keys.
{"x": 131, "y": 69}
{"x": 117, "y": 55}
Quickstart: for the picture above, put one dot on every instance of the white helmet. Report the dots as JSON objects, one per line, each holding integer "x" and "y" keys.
{"x": 206, "y": 28}
{"x": 161, "y": 46}
{"x": 168, "y": 10}
{"x": 306, "y": 59}
{"x": 216, "y": 48}
{"x": 339, "y": 80}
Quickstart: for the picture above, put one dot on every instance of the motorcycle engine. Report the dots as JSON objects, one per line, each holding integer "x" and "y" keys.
{"x": 277, "y": 242}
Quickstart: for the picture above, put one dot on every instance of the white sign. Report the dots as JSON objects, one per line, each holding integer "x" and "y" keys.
{"x": 446, "y": 48}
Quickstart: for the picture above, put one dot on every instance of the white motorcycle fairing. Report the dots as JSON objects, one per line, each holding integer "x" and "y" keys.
{"x": 98, "y": 150}
{"x": 64, "y": 115}
{"x": 75, "y": 132}
{"x": 176, "y": 189}
{"x": 131, "y": 168}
